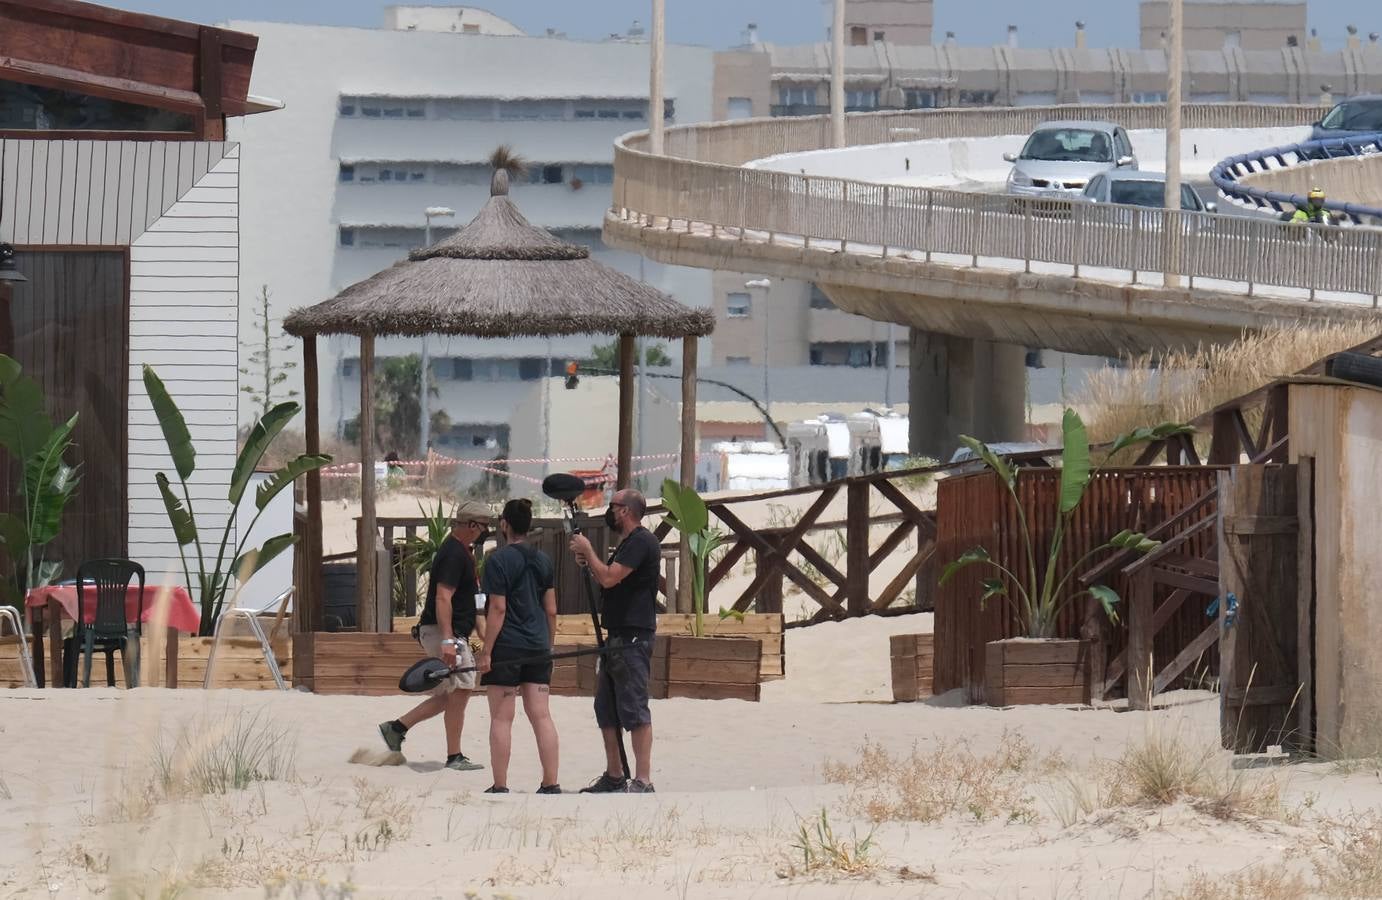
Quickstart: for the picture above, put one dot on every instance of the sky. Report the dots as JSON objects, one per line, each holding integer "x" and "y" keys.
{"x": 720, "y": 23}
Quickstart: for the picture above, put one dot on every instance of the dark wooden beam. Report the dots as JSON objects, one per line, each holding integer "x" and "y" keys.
{"x": 1225, "y": 446}
{"x": 690, "y": 347}
{"x": 627, "y": 387}
{"x": 308, "y": 605}
{"x": 366, "y": 596}
{"x": 857, "y": 548}
{"x": 209, "y": 84}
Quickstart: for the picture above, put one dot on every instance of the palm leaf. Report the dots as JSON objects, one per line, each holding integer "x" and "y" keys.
{"x": 48, "y": 484}
{"x": 174, "y": 426}
{"x": 1145, "y": 435}
{"x": 184, "y": 528}
{"x": 251, "y": 561}
{"x": 260, "y": 437}
{"x": 506, "y": 159}
{"x": 1074, "y": 472}
{"x": 991, "y": 459}
{"x": 977, "y": 555}
{"x": 1108, "y": 598}
{"x": 286, "y": 476}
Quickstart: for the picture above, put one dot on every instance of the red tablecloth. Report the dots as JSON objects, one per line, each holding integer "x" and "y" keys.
{"x": 182, "y": 612}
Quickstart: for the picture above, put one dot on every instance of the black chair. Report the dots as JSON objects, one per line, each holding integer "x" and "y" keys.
{"x": 108, "y": 631}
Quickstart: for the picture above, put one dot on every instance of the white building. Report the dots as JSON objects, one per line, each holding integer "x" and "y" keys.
{"x": 379, "y": 125}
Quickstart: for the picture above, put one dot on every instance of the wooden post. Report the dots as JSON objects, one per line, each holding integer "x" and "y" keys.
{"x": 857, "y": 542}
{"x": 307, "y": 605}
{"x": 1305, "y": 600}
{"x": 365, "y": 613}
{"x": 1139, "y": 653}
{"x": 688, "y": 460}
{"x": 627, "y": 356}
{"x": 1225, "y": 447}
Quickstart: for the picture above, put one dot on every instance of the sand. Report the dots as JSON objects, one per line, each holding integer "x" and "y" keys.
{"x": 735, "y": 781}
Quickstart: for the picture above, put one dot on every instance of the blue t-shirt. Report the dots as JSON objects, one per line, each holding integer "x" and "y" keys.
{"x": 521, "y": 575}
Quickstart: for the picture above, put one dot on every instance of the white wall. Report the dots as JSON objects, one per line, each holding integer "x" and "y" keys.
{"x": 293, "y": 202}
{"x": 979, "y": 161}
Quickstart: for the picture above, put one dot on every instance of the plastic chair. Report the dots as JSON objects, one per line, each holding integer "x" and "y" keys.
{"x": 26, "y": 662}
{"x": 252, "y": 616}
{"x": 109, "y": 631}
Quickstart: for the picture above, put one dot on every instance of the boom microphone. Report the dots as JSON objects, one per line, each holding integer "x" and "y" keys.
{"x": 563, "y": 486}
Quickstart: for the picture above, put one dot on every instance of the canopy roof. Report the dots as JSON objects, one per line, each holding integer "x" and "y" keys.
{"x": 500, "y": 277}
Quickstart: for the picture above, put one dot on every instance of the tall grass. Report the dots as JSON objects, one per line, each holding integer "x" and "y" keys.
{"x": 1178, "y": 386}
{"x": 225, "y": 753}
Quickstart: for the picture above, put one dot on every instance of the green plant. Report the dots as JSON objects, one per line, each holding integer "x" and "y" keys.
{"x": 269, "y": 360}
{"x": 687, "y": 513}
{"x": 214, "y": 574}
{"x": 46, "y": 485}
{"x": 821, "y": 850}
{"x": 420, "y": 551}
{"x": 1041, "y": 590}
{"x": 606, "y": 356}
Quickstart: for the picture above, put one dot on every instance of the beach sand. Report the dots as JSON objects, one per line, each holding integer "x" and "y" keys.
{"x": 736, "y": 781}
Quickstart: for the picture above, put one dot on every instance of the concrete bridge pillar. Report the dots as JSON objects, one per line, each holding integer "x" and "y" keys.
{"x": 964, "y": 386}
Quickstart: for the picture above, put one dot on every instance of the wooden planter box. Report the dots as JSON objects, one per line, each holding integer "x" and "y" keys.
{"x": 11, "y": 671}
{"x": 239, "y": 663}
{"x": 708, "y": 668}
{"x": 574, "y": 677}
{"x": 348, "y": 662}
{"x": 766, "y": 627}
{"x": 913, "y": 664}
{"x": 1022, "y": 672}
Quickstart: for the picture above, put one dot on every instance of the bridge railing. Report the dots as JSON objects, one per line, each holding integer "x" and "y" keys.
{"x": 701, "y": 183}
{"x": 1227, "y": 174}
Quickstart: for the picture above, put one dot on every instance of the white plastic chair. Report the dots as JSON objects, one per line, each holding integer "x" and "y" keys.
{"x": 26, "y": 662}
{"x": 252, "y": 616}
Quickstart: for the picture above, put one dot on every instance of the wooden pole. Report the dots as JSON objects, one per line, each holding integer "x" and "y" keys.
{"x": 307, "y": 614}
{"x": 688, "y": 460}
{"x": 627, "y": 355}
{"x": 857, "y": 544}
{"x": 837, "y": 76}
{"x": 366, "y": 600}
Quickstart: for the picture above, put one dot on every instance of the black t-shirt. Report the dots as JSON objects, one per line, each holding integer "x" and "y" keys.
{"x": 631, "y": 605}
{"x": 455, "y": 568}
{"x": 521, "y": 575}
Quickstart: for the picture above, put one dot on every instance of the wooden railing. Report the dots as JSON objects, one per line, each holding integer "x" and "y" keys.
{"x": 699, "y": 184}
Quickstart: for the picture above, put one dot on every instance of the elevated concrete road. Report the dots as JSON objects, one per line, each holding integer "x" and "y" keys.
{"x": 975, "y": 275}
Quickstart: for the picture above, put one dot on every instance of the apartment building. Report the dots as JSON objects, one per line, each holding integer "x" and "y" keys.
{"x": 904, "y": 22}
{"x": 1226, "y": 24}
{"x": 340, "y": 186}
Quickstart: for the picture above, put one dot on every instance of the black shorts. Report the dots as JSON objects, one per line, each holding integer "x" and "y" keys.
{"x": 623, "y": 682}
{"x": 512, "y": 676}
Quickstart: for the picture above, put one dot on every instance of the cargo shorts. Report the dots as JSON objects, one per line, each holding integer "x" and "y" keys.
{"x": 628, "y": 665}
{"x": 430, "y": 638}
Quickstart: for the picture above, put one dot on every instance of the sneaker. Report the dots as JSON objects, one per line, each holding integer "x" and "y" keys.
{"x": 639, "y": 787}
{"x": 606, "y": 784}
{"x": 496, "y": 790}
{"x": 393, "y": 734}
{"x": 459, "y": 763}
{"x": 549, "y": 789}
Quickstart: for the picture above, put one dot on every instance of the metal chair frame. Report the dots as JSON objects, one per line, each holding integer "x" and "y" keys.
{"x": 252, "y": 616}
{"x": 26, "y": 662}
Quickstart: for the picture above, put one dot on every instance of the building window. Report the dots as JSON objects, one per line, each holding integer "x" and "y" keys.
{"x": 347, "y": 237}
{"x": 393, "y": 112}
{"x": 739, "y": 108}
{"x": 856, "y": 354}
{"x": 878, "y": 36}
{"x": 593, "y": 174}
{"x": 347, "y": 368}
{"x": 737, "y": 361}
{"x": 738, "y": 305}
{"x": 26, "y": 107}
{"x": 669, "y": 109}
{"x": 1149, "y": 97}
{"x": 861, "y": 99}
{"x": 858, "y": 35}
{"x": 919, "y": 99}
{"x": 347, "y": 173}
{"x": 978, "y": 98}
{"x": 370, "y": 110}
{"x": 461, "y": 369}
{"x": 797, "y": 96}
{"x": 347, "y": 107}
{"x": 552, "y": 175}
{"x": 819, "y": 300}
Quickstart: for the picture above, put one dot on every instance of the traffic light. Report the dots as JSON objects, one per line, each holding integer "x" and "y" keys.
{"x": 572, "y": 379}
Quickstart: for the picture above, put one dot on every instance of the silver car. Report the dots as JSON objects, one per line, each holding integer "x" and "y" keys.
{"x": 1146, "y": 189}
{"x": 1060, "y": 158}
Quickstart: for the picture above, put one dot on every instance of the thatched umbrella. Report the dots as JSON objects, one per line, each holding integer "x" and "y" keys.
{"x": 499, "y": 276}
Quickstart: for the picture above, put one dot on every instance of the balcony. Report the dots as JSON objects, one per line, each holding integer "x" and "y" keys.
{"x": 780, "y": 110}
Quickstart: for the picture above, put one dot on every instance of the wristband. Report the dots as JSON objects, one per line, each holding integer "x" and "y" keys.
{"x": 450, "y": 642}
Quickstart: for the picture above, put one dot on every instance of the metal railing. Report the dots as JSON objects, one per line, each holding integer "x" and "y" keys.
{"x": 700, "y": 182}
{"x": 1226, "y": 174}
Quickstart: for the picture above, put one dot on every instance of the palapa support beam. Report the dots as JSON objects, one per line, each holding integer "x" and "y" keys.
{"x": 366, "y": 614}
{"x": 627, "y": 355}
{"x": 689, "y": 349}
{"x": 308, "y": 598}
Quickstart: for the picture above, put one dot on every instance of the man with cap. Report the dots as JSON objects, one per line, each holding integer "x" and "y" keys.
{"x": 444, "y": 631}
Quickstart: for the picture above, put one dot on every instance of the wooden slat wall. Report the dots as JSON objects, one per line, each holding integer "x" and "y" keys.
{"x": 976, "y": 510}
{"x": 175, "y": 205}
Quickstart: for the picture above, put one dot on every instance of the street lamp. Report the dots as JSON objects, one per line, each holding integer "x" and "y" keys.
{"x": 764, "y": 285}
{"x": 1175, "y": 67}
{"x": 9, "y": 272}
{"x": 424, "y": 412}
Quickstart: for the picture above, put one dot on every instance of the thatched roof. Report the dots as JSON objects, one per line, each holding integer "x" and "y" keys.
{"x": 500, "y": 277}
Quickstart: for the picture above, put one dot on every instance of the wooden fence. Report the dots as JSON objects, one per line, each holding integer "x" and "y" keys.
{"x": 977, "y": 511}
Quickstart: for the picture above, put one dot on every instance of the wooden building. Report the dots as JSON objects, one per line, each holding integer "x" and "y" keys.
{"x": 120, "y": 197}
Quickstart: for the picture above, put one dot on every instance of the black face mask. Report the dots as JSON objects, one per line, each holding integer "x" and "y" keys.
{"x": 611, "y": 519}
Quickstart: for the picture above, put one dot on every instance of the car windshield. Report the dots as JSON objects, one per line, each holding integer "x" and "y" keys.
{"x": 1151, "y": 194}
{"x": 1355, "y": 115}
{"x": 1069, "y": 145}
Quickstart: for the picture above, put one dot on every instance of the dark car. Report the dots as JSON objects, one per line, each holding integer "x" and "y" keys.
{"x": 1357, "y": 115}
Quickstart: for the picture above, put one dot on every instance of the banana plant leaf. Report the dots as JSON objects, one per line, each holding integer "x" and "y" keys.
{"x": 1074, "y": 467}
{"x": 256, "y": 445}
{"x": 286, "y": 476}
{"x": 49, "y": 484}
{"x": 173, "y": 425}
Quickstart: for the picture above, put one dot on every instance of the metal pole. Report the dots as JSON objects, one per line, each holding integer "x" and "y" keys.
{"x": 1175, "y": 67}
{"x": 642, "y": 362}
{"x": 547, "y": 414}
{"x": 837, "y": 76}
{"x": 655, "y": 93}
{"x": 423, "y": 404}
{"x": 889, "y": 362}
{"x": 764, "y": 285}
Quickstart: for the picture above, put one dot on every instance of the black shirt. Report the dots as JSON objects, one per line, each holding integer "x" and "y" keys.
{"x": 521, "y": 575}
{"x": 455, "y": 568}
{"x": 631, "y": 605}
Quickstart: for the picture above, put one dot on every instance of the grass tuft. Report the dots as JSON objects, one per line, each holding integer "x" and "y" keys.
{"x": 817, "y": 850}
{"x": 1262, "y": 883}
{"x": 223, "y": 754}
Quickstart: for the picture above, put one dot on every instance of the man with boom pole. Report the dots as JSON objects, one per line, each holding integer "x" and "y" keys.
{"x": 628, "y": 583}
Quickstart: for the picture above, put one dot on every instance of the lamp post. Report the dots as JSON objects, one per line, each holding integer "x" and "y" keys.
{"x": 764, "y": 285}
{"x": 1175, "y": 67}
{"x": 656, "y": 50}
{"x": 9, "y": 277}
{"x": 424, "y": 382}
{"x": 837, "y": 75}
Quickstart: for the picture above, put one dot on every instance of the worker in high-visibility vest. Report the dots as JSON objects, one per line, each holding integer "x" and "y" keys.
{"x": 1313, "y": 212}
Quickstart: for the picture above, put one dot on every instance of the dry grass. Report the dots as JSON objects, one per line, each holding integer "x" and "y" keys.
{"x": 1351, "y": 864}
{"x": 215, "y": 755}
{"x": 927, "y": 786}
{"x": 817, "y": 850}
{"x": 1259, "y": 883}
{"x": 1177, "y": 387}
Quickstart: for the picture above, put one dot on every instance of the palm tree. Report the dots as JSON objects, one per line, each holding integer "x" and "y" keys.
{"x": 397, "y": 405}
{"x": 506, "y": 159}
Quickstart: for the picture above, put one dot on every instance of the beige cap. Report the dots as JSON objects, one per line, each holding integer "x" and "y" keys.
{"x": 472, "y": 511}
